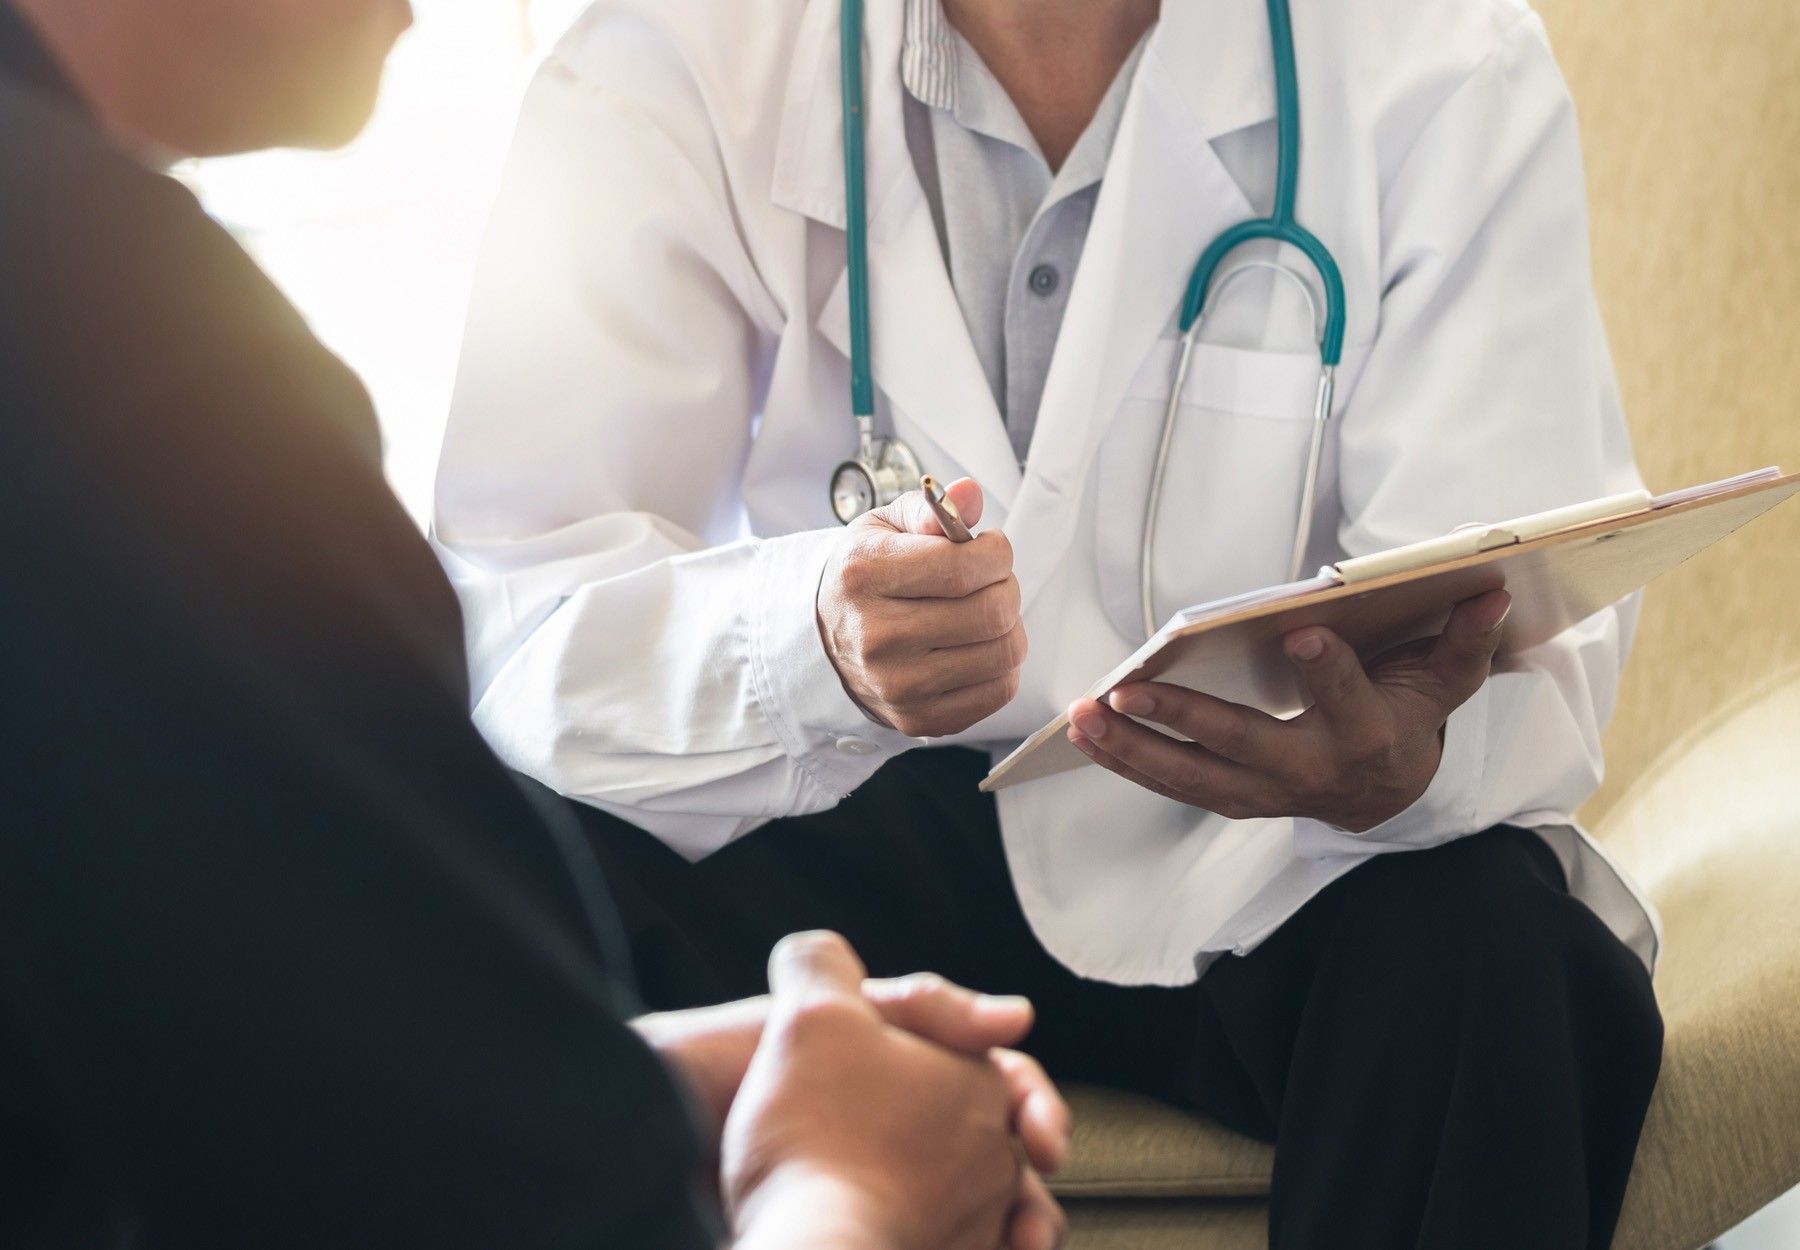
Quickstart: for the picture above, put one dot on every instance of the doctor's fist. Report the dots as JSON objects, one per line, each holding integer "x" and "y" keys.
{"x": 924, "y": 632}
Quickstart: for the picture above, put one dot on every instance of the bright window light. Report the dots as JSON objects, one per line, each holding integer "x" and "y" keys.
{"x": 377, "y": 243}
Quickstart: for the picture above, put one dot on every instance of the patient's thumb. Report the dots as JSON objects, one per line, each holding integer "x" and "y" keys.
{"x": 819, "y": 964}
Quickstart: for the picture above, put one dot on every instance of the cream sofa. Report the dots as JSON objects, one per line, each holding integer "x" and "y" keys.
{"x": 1691, "y": 117}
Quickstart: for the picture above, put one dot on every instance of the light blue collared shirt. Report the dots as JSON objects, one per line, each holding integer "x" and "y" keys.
{"x": 1011, "y": 229}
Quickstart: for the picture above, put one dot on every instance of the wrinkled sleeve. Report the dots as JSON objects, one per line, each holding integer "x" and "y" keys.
{"x": 632, "y": 644}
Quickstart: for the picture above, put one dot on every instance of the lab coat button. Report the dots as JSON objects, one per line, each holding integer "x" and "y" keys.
{"x": 855, "y": 746}
{"x": 1044, "y": 280}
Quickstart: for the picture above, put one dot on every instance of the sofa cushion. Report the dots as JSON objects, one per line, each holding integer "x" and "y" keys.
{"x": 1713, "y": 834}
{"x": 1167, "y": 1224}
{"x": 1127, "y": 1146}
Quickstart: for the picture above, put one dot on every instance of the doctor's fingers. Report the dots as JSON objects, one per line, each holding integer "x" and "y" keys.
{"x": 912, "y": 515}
{"x": 1231, "y": 730}
{"x": 956, "y": 710}
{"x": 1232, "y": 807}
{"x": 898, "y": 629}
{"x": 916, "y": 566}
{"x": 1464, "y": 653}
{"x": 943, "y": 669}
{"x": 1340, "y": 686}
{"x": 1181, "y": 771}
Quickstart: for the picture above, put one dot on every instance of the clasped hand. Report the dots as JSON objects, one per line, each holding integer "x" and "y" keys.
{"x": 1362, "y": 753}
{"x": 871, "y": 1114}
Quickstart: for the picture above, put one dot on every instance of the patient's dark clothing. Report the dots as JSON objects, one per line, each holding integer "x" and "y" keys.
{"x": 286, "y": 958}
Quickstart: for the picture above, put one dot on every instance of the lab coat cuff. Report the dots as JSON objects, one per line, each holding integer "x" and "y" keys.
{"x": 816, "y": 721}
{"x": 1448, "y": 809}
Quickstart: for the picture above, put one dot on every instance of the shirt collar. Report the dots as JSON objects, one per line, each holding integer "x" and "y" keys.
{"x": 25, "y": 59}
{"x": 928, "y": 55}
{"x": 941, "y": 70}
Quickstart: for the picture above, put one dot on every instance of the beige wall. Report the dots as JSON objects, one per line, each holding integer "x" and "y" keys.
{"x": 1690, "y": 112}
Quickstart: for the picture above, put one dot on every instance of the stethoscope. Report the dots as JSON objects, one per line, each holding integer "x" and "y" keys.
{"x": 884, "y": 467}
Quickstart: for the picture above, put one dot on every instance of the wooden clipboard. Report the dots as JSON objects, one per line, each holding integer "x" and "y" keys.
{"x": 1557, "y": 577}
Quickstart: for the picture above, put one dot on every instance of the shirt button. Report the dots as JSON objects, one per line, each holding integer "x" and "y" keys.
{"x": 1044, "y": 280}
{"x": 856, "y": 746}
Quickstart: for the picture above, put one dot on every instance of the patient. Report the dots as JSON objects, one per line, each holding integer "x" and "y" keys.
{"x": 286, "y": 957}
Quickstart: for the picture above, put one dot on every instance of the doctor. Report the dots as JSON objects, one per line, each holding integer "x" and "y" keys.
{"x": 1374, "y": 935}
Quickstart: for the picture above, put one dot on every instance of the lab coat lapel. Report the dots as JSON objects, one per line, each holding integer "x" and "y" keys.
{"x": 923, "y": 359}
{"x": 1205, "y": 73}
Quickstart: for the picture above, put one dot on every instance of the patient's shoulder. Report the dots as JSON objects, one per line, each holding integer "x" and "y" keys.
{"x": 71, "y": 200}
{"x": 120, "y": 296}
{"x": 59, "y": 172}
{"x": 162, "y": 402}
{"x": 96, "y": 248}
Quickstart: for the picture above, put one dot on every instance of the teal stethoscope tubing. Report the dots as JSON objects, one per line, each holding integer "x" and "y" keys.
{"x": 856, "y": 215}
{"x": 1279, "y": 226}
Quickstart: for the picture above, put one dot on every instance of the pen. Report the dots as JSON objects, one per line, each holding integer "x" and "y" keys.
{"x": 944, "y": 509}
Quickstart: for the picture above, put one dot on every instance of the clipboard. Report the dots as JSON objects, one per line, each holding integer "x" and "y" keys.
{"x": 1560, "y": 566}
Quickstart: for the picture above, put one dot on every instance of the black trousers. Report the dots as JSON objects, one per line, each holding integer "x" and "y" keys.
{"x": 1447, "y": 1049}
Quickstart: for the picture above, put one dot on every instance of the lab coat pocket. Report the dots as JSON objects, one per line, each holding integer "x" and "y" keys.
{"x": 1231, "y": 489}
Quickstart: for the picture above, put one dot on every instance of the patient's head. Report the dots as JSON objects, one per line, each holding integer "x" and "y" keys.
{"x": 202, "y": 77}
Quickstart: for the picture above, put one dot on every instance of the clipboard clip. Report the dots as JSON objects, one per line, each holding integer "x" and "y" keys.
{"x": 1475, "y": 537}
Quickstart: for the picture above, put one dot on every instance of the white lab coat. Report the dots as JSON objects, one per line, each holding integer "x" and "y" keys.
{"x": 633, "y": 493}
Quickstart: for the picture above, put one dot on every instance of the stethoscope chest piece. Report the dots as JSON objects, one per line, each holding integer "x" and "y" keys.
{"x": 883, "y": 470}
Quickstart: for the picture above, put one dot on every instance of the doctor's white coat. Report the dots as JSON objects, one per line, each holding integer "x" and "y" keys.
{"x": 632, "y": 497}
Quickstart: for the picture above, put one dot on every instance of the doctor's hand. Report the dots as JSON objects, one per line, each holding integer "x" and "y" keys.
{"x": 1364, "y": 751}
{"x": 924, "y": 633}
